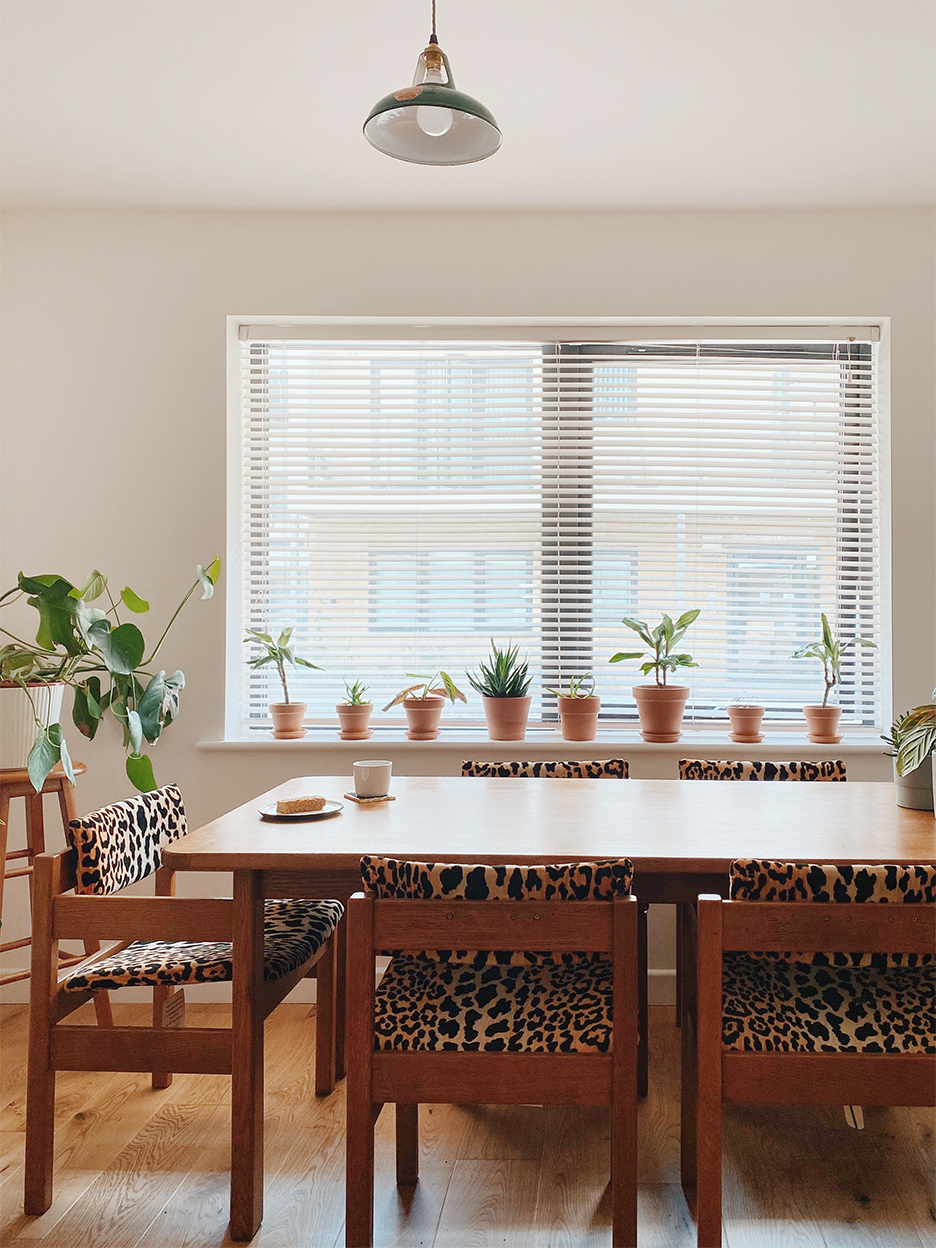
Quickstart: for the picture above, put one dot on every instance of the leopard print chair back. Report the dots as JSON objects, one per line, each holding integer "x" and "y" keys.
{"x": 120, "y": 844}
{"x": 597, "y": 769}
{"x": 755, "y": 879}
{"x": 715, "y": 769}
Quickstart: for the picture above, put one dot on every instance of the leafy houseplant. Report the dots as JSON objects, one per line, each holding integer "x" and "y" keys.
{"x": 912, "y": 740}
{"x": 354, "y": 713}
{"x": 103, "y": 660}
{"x": 578, "y": 708}
{"x": 504, "y": 685}
{"x": 660, "y": 706}
{"x": 423, "y": 703}
{"x": 822, "y": 720}
{"x": 287, "y": 716}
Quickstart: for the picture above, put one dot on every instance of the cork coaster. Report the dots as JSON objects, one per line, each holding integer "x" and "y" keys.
{"x": 369, "y": 801}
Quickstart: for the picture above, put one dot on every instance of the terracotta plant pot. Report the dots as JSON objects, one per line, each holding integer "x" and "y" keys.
{"x": 354, "y": 721}
{"x": 507, "y": 717}
{"x": 915, "y": 790}
{"x": 660, "y": 708}
{"x": 822, "y": 724}
{"x": 287, "y": 720}
{"x": 423, "y": 716}
{"x": 745, "y": 723}
{"x": 579, "y": 718}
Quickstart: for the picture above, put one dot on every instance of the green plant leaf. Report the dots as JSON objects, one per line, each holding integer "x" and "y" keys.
{"x": 56, "y": 730}
{"x": 140, "y": 772}
{"x": 94, "y": 585}
{"x": 207, "y": 577}
{"x": 626, "y": 654}
{"x": 299, "y": 662}
{"x": 45, "y": 753}
{"x": 86, "y": 618}
{"x": 284, "y": 637}
{"x": 132, "y": 601}
{"x": 640, "y": 627}
{"x": 85, "y": 718}
{"x": 52, "y": 598}
{"x": 135, "y": 728}
{"x": 122, "y": 648}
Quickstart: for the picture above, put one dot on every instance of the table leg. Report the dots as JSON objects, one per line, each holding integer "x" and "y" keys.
{"x": 643, "y": 1022}
{"x": 341, "y": 996}
{"x": 247, "y": 1058}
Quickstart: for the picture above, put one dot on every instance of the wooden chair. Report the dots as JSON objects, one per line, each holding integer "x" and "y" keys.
{"x": 461, "y": 1017}
{"x": 723, "y": 769}
{"x": 164, "y": 943}
{"x": 589, "y": 769}
{"x": 845, "y": 1000}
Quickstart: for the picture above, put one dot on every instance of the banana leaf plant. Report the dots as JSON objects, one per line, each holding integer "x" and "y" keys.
{"x": 660, "y": 642}
{"x": 103, "y": 659}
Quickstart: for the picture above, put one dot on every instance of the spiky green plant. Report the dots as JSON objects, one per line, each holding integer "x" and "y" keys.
{"x": 504, "y": 677}
{"x": 354, "y": 693}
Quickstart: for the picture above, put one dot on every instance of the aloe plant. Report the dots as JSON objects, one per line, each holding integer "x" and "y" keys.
{"x": 660, "y": 642}
{"x": 278, "y": 652}
{"x": 504, "y": 677}
{"x": 830, "y": 652}
{"x": 354, "y": 693}
{"x": 440, "y": 685}
{"x": 577, "y": 688}
{"x": 102, "y": 659}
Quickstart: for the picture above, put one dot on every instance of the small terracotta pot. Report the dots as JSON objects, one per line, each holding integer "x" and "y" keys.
{"x": 287, "y": 720}
{"x": 660, "y": 708}
{"x": 354, "y": 721}
{"x": 822, "y": 724}
{"x": 423, "y": 716}
{"x": 507, "y": 717}
{"x": 745, "y": 723}
{"x": 579, "y": 718}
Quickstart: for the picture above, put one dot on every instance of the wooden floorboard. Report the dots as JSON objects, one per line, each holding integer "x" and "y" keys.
{"x": 136, "y": 1168}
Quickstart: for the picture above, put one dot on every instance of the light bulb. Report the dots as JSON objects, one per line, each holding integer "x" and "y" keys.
{"x": 433, "y": 120}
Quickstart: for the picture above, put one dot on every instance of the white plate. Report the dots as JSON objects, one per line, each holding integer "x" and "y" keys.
{"x": 330, "y": 808}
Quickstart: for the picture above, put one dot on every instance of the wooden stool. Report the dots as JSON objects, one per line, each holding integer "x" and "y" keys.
{"x": 15, "y": 782}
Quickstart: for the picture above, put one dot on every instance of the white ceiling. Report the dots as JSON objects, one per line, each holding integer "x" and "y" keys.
{"x": 604, "y": 104}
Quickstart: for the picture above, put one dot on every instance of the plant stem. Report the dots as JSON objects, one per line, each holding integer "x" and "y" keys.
{"x": 146, "y": 662}
{"x": 281, "y": 668}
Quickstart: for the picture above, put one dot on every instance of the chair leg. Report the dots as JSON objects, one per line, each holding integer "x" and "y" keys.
{"x": 679, "y": 965}
{"x": 407, "y": 1145}
{"x": 247, "y": 1058}
{"x": 40, "y": 1132}
{"x": 341, "y": 998}
{"x": 643, "y": 1027}
{"x": 325, "y": 1019}
{"x": 160, "y": 1079}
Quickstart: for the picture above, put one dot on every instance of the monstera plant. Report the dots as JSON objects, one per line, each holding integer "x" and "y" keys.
{"x": 104, "y": 659}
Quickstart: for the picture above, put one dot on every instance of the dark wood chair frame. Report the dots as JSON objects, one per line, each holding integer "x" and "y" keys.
{"x": 160, "y": 1049}
{"x": 713, "y": 1075}
{"x": 408, "y": 1078}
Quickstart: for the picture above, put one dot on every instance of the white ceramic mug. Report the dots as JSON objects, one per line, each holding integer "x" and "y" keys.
{"x": 372, "y": 777}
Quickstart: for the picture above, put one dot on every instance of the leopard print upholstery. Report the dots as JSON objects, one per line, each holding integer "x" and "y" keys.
{"x": 597, "y": 769}
{"x": 294, "y": 929}
{"x": 391, "y": 878}
{"x": 755, "y": 879}
{"x": 714, "y": 769}
{"x": 792, "y": 1007}
{"x": 119, "y": 845}
{"x": 435, "y": 1006}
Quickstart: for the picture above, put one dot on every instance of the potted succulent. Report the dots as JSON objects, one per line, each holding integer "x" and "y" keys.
{"x": 578, "y": 709}
{"x": 354, "y": 713}
{"x": 423, "y": 703}
{"x": 504, "y": 685}
{"x": 287, "y": 716}
{"x": 822, "y": 720}
{"x": 660, "y": 706}
{"x": 101, "y": 658}
{"x": 913, "y": 740}
{"x": 745, "y": 716}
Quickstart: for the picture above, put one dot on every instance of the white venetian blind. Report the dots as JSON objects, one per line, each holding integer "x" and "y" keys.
{"x": 406, "y": 501}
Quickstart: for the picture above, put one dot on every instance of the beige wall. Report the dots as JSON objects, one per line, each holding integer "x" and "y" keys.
{"x": 113, "y": 448}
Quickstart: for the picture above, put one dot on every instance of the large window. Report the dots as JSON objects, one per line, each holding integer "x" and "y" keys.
{"x": 404, "y": 501}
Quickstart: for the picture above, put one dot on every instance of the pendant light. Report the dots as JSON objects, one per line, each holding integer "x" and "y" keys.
{"x": 432, "y": 123}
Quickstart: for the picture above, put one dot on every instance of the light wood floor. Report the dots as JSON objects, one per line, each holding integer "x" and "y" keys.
{"x": 142, "y": 1169}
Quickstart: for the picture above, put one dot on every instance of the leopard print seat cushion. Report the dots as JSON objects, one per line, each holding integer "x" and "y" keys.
{"x": 715, "y": 769}
{"x": 756, "y": 879}
{"x": 392, "y": 878}
{"x": 597, "y": 769}
{"x": 120, "y": 844}
{"x": 294, "y": 930}
{"x": 427, "y": 1005}
{"x": 796, "y": 1007}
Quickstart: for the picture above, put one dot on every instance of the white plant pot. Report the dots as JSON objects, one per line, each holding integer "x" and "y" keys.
{"x": 18, "y": 720}
{"x": 915, "y": 789}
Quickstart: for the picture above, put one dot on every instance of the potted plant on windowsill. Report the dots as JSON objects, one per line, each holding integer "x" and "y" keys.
{"x": 578, "y": 709}
{"x": 504, "y": 685}
{"x": 745, "y": 717}
{"x": 423, "y": 704}
{"x": 660, "y": 706}
{"x": 354, "y": 713}
{"x": 287, "y": 716}
{"x": 913, "y": 743}
{"x": 822, "y": 720}
{"x": 104, "y": 662}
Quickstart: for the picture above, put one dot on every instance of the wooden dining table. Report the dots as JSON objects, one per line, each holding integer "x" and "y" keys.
{"x": 680, "y": 835}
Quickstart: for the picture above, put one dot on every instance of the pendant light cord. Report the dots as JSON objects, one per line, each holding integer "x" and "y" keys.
{"x": 433, "y": 38}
